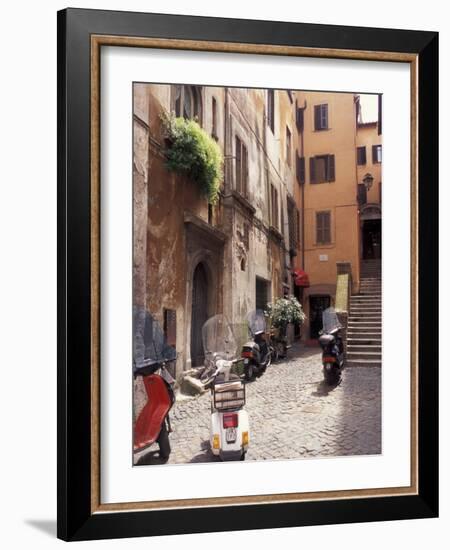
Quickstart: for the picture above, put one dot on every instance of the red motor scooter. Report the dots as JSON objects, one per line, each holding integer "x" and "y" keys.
{"x": 152, "y": 356}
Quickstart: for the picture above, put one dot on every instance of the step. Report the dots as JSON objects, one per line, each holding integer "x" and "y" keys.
{"x": 364, "y": 355}
{"x": 360, "y": 341}
{"x": 364, "y": 332}
{"x": 365, "y": 307}
{"x": 362, "y": 363}
{"x": 370, "y": 318}
{"x": 351, "y": 346}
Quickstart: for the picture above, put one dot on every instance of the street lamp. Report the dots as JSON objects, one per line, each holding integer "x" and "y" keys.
{"x": 368, "y": 181}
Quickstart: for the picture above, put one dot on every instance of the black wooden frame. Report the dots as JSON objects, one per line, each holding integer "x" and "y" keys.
{"x": 75, "y": 521}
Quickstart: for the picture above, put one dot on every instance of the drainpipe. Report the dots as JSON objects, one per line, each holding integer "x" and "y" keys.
{"x": 302, "y": 154}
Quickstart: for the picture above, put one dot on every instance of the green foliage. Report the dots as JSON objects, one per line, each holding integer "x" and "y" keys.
{"x": 285, "y": 311}
{"x": 193, "y": 152}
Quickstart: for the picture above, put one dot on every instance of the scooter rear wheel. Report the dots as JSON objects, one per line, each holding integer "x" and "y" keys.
{"x": 249, "y": 371}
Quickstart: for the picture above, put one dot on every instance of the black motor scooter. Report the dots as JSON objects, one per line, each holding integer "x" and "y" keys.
{"x": 332, "y": 345}
{"x": 257, "y": 353}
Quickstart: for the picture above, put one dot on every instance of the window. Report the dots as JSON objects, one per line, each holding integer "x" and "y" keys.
{"x": 271, "y": 110}
{"x": 187, "y": 102}
{"x": 262, "y": 293}
{"x": 241, "y": 167}
{"x": 321, "y": 169}
{"x": 301, "y": 169}
{"x": 361, "y": 157}
{"x": 274, "y": 206}
{"x": 321, "y": 117}
{"x": 323, "y": 228}
{"x": 214, "y": 119}
{"x": 376, "y": 153}
{"x": 288, "y": 146}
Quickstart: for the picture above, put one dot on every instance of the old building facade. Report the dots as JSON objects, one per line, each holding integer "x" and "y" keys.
{"x": 339, "y": 169}
{"x": 193, "y": 259}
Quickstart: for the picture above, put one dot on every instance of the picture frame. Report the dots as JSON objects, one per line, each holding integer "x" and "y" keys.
{"x": 81, "y": 35}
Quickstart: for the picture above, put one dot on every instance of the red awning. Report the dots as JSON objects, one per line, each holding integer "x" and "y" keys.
{"x": 300, "y": 278}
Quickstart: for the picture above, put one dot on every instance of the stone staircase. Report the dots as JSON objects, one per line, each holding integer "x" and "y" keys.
{"x": 364, "y": 321}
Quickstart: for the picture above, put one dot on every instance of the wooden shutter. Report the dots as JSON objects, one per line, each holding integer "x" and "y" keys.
{"x": 323, "y": 228}
{"x": 324, "y": 117}
{"x": 317, "y": 117}
{"x": 326, "y": 227}
{"x": 300, "y": 120}
{"x": 330, "y": 168}
{"x": 361, "y": 155}
{"x": 312, "y": 170}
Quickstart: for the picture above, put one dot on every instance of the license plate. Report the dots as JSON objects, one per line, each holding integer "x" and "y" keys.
{"x": 246, "y": 361}
{"x": 231, "y": 435}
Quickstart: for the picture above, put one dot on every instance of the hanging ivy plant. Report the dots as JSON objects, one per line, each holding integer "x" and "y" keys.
{"x": 193, "y": 152}
{"x": 285, "y": 311}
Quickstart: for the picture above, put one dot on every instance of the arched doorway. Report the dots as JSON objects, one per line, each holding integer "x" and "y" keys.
{"x": 199, "y": 313}
{"x": 371, "y": 232}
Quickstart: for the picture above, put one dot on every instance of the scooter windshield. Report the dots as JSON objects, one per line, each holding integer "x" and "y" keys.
{"x": 218, "y": 338}
{"x": 149, "y": 344}
{"x": 256, "y": 321}
{"x": 330, "y": 320}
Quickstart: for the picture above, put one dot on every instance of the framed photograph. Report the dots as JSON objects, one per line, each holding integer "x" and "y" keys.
{"x": 247, "y": 253}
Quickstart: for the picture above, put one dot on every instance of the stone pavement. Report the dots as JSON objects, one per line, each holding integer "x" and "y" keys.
{"x": 292, "y": 412}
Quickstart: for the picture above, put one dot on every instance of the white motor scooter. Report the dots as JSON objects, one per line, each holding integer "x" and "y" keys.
{"x": 229, "y": 432}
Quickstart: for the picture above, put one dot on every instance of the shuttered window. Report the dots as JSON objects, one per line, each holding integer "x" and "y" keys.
{"x": 301, "y": 170}
{"x": 376, "y": 153}
{"x": 322, "y": 169}
{"x": 323, "y": 227}
{"x": 361, "y": 155}
{"x": 321, "y": 117}
{"x": 241, "y": 168}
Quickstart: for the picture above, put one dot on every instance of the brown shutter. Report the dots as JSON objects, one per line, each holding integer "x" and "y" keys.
{"x": 317, "y": 117}
{"x": 301, "y": 169}
{"x": 331, "y": 169}
{"x": 312, "y": 170}
{"x": 319, "y": 227}
{"x": 326, "y": 227}
{"x": 374, "y": 153}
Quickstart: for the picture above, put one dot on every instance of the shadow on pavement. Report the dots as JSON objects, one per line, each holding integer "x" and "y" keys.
{"x": 323, "y": 389}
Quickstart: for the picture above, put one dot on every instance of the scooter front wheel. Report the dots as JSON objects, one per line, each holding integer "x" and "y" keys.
{"x": 163, "y": 441}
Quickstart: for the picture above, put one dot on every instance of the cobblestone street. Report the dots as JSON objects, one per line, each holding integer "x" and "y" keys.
{"x": 293, "y": 414}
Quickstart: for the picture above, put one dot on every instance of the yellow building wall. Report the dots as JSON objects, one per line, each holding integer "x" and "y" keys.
{"x": 340, "y": 196}
{"x": 367, "y": 135}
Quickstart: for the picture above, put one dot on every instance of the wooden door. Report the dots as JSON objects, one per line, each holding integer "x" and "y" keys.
{"x": 199, "y": 314}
